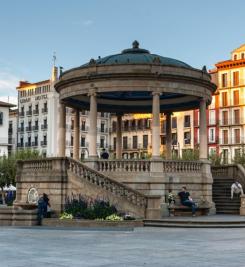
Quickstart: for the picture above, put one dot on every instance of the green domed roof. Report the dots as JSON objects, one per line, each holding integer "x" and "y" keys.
{"x": 136, "y": 55}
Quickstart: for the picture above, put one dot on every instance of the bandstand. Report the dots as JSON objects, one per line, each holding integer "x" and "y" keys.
{"x": 134, "y": 81}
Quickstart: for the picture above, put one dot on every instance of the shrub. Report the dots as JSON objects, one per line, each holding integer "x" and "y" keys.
{"x": 86, "y": 208}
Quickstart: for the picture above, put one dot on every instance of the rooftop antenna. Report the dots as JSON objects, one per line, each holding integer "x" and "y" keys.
{"x": 54, "y": 58}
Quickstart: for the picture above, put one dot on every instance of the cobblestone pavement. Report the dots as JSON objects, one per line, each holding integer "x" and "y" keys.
{"x": 31, "y": 247}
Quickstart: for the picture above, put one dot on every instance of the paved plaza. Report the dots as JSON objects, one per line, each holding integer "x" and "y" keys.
{"x": 24, "y": 247}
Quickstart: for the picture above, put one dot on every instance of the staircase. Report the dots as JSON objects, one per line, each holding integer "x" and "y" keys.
{"x": 222, "y": 196}
{"x": 223, "y": 177}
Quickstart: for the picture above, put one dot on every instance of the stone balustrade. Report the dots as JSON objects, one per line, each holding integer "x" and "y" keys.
{"x": 106, "y": 183}
{"x": 168, "y": 166}
{"x": 124, "y": 165}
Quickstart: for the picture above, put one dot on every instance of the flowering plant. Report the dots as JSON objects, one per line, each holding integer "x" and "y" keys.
{"x": 171, "y": 198}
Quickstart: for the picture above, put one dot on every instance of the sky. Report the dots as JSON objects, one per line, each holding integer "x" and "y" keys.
{"x": 195, "y": 31}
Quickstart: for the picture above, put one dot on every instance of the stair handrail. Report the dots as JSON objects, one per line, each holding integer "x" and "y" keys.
{"x": 106, "y": 182}
{"x": 240, "y": 174}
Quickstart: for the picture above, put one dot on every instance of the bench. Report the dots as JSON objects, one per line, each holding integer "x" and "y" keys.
{"x": 180, "y": 210}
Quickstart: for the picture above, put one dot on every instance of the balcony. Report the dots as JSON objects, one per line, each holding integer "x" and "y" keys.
{"x": 10, "y": 131}
{"x": 35, "y": 128}
{"x": 35, "y": 112}
{"x": 44, "y": 126}
{"x": 21, "y": 129}
{"x": 44, "y": 143}
{"x": 231, "y": 121}
{"x": 28, "y": 144}
{"x": 29, "y": 113}
{"x": 34, "y": 144}
{"x": 84, "y": 129}
{"x": 44, "y": 110}
{"x": 22, "y": 114}
{"x": 20, "y": 145}
{"x": 28, "y": 128}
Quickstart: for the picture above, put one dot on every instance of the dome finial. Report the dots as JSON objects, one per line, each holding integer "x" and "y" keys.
{"x": 135, "y": 44}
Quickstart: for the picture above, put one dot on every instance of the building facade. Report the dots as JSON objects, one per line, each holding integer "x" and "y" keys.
{"x": 4, "y": 128}
{"x": 231, "y": 89}
{"x": 137, "y": 135}
{"x": 38, "y": 119}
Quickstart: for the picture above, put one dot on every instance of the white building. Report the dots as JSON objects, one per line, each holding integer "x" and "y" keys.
{"x": 39, "y": 117}
{"x": 12, "y": 137}
{"x": 4, "y": 125}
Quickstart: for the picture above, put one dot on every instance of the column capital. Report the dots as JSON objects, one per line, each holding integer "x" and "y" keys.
{"x": 92, "y": 92}
{"x": 156, "y": 93}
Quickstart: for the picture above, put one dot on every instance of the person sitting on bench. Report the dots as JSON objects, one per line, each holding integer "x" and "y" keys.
{"x": 236, "y": 188}
{"x": 186, "y": 200}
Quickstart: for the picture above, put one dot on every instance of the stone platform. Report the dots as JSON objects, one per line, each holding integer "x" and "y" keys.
{"x": 214, "y": 221}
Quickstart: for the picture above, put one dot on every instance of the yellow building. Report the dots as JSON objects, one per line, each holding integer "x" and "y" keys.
{"x": 231, "y": 88}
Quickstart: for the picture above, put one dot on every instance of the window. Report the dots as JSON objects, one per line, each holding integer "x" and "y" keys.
{"x": 236, "y": 116}
{"x": 187, "y": 138}
{"x": 225, "y": 117}
{"x": 237, "y": 136}
{"x": 187, "y": 121}
{"x": 36, "y": 141}
{"x": 224, "y": 99}
{"x": 102, "y": 127}
{"x": 211, "y": 117}
{"x": 114, "y": 126}
{"x": 174, "y": 123}
{"x": 237, "y": 152}
{"x": 225, "y": 156}
{"x": 235, "y": 57}
{"x": 211, "y": 135}
{"x": 125, "y": 142}
{"x": 29, "y": 141}
{"x": 235, "y": 78}
{"x": 82, "y": 141}
{"x": 174, "y": 139}
{"x": 135, "y": 142}
{"x": 83, "y": 126}
{"x": 72, "y": 124}
{"x": 164, "y": 126}
{"x": 114, "y": 143}
{"x": 1, "y": 118}
{"x": 145, "y": 141}
{"x": 225, "y": 137}
{"x": 236, "y": 97}
{"x": 72, "y": 140}
{"x": 125, "y": 125}
{"x": 133, "y": 125}
{"x": 224, "y": 80}
{"x": 242, "y": 56}
{"x": 102, "y": 142}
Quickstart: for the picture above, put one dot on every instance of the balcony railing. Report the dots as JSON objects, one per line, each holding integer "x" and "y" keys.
{"x": 44, "y": 110}
{"x": 231, "y": 121}
{"x": 27, "y": 144}
{"x": 29, "y": 128}
{"x": 20, "y": 145}
{"x": 22, "y": 114}
{"x": 21, "y": 129}
{"x": 44, "y": 126}
{"x": 29, "y": 113}
{"x": 36, "y": 112}
{"x": 44, "y": 143}
{"x": 35, "y": 144}
{"x": 35, "y": 128}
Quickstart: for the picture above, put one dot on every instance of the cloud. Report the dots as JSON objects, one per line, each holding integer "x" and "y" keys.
{"x": 8, "y": 83}
{"x": 88, "y": 22}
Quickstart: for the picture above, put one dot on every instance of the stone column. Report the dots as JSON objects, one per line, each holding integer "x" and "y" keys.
{"x": 156, "y": 141}
{"x": 119, "y": 137}
{"x": 203, "y": 154}
{"x": 62, "y": 131}
{"x": 76, "y": 145}
{"x": 168, "y": 136}
{"x": 92, "y": 133}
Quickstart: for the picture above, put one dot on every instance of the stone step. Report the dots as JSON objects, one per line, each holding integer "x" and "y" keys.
{"x": 179, "y": 225}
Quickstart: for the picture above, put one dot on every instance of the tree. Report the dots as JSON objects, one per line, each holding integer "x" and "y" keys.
{"x": 8, "y": 166}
